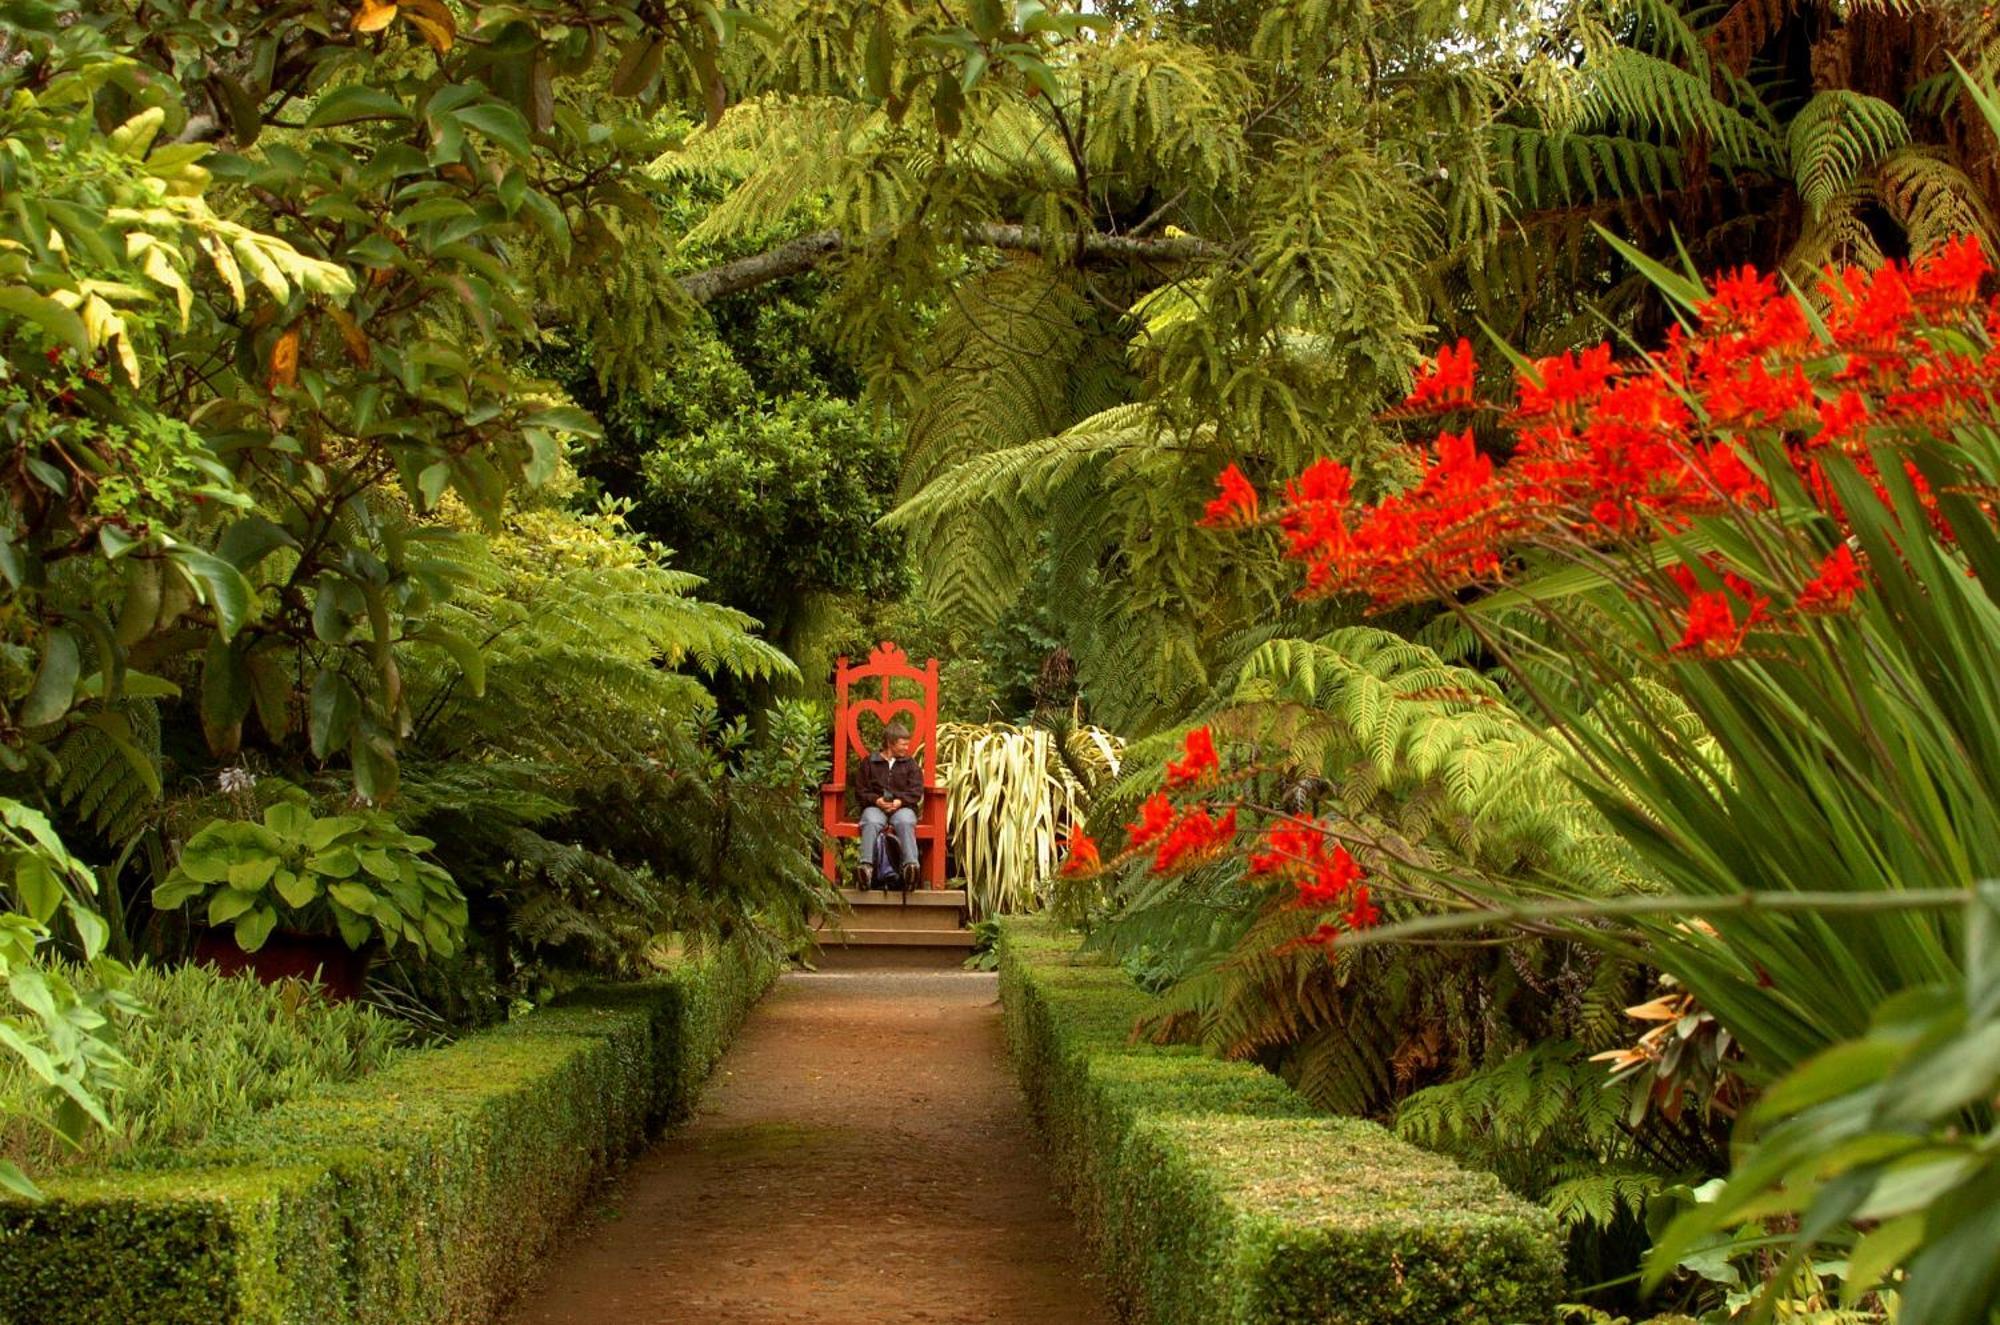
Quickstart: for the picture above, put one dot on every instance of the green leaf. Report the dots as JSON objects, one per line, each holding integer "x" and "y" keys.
{"x": 228, "y": 904}
{"x": 354, "y": 896}
{"x": 638, "y": 67}
{"x": 37, "y": 887}
{"x": 297, "y": 890}
{"x": 503, "y": 124}
{"x": 250, "y": 876}
{"x": 47, "y": 314}
{"x": 224, "y": 586}
{"x": 17, "y": 1182}
{"x": 225, "y": 696}
{"x": 324, "y": 832}
{"x": 290, "y": 820}
{"x": 347, "y": 105}
{"x": 374, "y": 756}
{"x": 355, "y": 930}
{"x": 339, "y": 863}
{"x": 334, "y": 707}
{"x": 55, "y": 680}
{"x": 254, "y": 928}
{"x": 179, "y": 887}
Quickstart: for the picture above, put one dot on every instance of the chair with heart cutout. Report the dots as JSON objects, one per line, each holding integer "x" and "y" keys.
{"x": 886, "y": 666}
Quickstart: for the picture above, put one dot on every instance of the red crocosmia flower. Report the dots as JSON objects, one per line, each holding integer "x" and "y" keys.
{"x": 1841, "y": 420}
{"x": 1712, "y": 629}
{"x": 1194, "y": 838}
{"x": 1155, "y": 817}
{"x": 1331, "y": 877}
{"x": 1361, "y": 913}
{"x": 1324, "y": 480}
{"x": 1198, "y": 761}
{"x": 1289, "y": 846}
{"x": 1759, "y": 605}
{"x": 1833, "y": 589}
{"x": 1740, "y": 297}
{"x": 1567, "y": 381}
{"x": 1237, "y": 504}
{"x": 1082, "y": 856}
{"x": 1949, "y": 275}
{"x": 1447, "y": 382}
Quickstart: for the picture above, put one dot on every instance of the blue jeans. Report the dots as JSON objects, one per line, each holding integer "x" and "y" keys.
{"x": 873, "y": 821}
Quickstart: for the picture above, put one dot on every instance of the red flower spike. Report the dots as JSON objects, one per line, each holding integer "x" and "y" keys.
{"x": 1082, "y": 856}
{"x": 1712, "y": 630}
{"x": 1237, "y": 505}
{"x": 1156, "y": 816}
{"x": 1198, "y": 762}
{"x": 1446, "y": 382}
{"x": 1833, "y": 589}
{"x": 1194, "y": 839}
{"x": 1331, "y": 878}
{"x": 1361, "y": 913}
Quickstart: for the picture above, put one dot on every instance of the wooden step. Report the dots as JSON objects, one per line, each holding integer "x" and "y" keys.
{"x": 917, "y": 897}
{"x": 897, "y": 938}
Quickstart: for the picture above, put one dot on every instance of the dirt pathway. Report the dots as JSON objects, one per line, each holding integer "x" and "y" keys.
{"x": 861, "y": 1158}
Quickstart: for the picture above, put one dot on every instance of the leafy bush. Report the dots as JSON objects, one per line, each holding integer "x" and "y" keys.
{"x": 209, "y": 1052}
{"x": 356, "y": 872}
{"x": 1214, "y": 1193}
{"x": 421, "y": 1195}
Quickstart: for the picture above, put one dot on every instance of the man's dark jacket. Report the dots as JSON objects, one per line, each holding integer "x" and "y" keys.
{"x": 877, "y": 781}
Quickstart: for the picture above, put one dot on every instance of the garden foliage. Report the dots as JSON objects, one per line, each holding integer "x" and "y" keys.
{"x": 1213, "y": 1193}
{"x": 420, "y": 1194}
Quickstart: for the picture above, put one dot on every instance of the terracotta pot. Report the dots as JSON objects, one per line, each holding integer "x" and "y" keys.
{"x": 286, "y": 955}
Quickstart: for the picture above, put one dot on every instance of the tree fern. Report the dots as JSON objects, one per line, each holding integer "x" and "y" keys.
{"x": 1834, "y": 138}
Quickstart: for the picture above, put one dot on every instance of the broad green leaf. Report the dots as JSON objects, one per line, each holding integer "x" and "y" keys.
{"x": 223, "y": 586}
{"x": 297, "y": 890}
{"x": 255, "y": 927}
{"x": 356, "y": 102}
{"x": 334, "y": 708}
{"x": 55, "y": 680}
{"x": 46, "y": 313}
{"x": 225, "y": 696}
{"x": 251, "y": 875}
{"x": 37, "y": 887}
{"x": 228, "y": 904}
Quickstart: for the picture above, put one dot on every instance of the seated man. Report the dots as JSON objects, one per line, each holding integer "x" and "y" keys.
{"x": 890, "y": 786}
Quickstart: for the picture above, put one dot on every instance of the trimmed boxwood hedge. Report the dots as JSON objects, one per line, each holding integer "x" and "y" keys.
{"x": 421, "y": 1194}
{"x": 1213, "y": 1193}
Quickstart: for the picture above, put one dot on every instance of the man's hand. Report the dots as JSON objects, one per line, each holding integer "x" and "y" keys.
{"x": 884, "y": 804}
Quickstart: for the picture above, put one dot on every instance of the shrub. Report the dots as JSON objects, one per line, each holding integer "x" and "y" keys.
{"x": 422, "y": 1194}
{"x": 1214, "y": 1193}
{"x": 210, "y": 1051}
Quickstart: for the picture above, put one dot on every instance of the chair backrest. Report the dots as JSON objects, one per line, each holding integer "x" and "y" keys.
{"x": 868, "y": 689}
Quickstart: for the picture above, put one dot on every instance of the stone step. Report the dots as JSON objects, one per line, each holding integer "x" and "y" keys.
{"x": 895, "y": 917}
{"x": 897, "y": 938}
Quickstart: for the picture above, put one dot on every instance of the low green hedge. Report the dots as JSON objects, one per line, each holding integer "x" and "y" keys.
{"x": 1213, "y": 1193}
{"x": 421, "y": 1194}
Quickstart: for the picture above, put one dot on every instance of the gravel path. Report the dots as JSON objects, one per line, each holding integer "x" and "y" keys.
{"x": 861, "y": 1158}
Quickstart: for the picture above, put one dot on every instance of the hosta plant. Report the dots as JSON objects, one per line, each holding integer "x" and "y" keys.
{"x": 356, "y": 873}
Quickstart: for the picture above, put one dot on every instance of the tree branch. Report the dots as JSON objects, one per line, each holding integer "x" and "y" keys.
{"x": 808, "y": 251}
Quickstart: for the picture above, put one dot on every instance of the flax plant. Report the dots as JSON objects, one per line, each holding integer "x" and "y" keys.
{"x": 1014, "y": 793}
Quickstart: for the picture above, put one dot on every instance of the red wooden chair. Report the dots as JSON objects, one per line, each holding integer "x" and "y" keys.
{"x": 887, "y": 664}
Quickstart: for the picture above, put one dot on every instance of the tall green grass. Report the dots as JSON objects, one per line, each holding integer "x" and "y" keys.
{"x": 211, "y": 1051}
